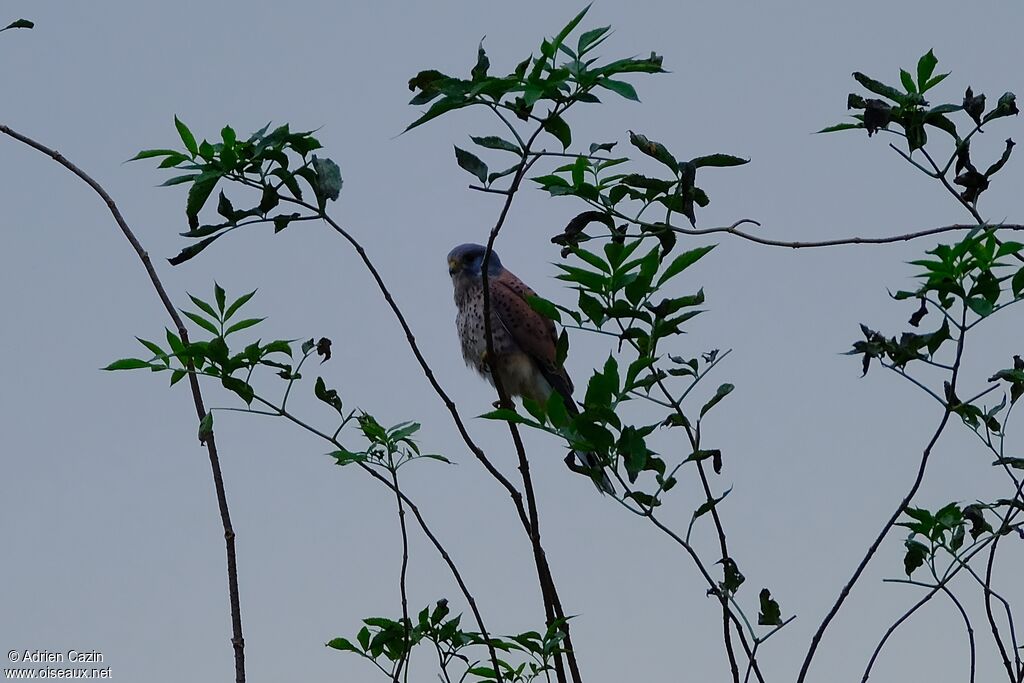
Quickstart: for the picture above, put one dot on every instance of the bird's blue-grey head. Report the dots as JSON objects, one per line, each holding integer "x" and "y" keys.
{"x": 466, "y": 260}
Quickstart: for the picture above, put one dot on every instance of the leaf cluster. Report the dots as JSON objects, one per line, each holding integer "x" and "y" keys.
{"x": 393, "y": 641}
{"x": 270, "y": 164}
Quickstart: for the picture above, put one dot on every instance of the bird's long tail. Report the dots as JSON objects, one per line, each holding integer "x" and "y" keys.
{"x": 588, "y": 464}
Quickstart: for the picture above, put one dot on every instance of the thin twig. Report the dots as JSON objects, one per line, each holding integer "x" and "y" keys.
{"x": 237, "y": 642}
{"x": 552, "y": 604}
{"x": 848, "y": 587}
{"x": 406, "y": 624}
{"x": 413, "y": 508}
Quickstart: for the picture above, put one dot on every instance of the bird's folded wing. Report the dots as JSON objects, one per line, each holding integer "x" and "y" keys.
{"x": 530, "y": 330}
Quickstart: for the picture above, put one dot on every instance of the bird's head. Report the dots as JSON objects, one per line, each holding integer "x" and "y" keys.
{"x": 466, "y": 260}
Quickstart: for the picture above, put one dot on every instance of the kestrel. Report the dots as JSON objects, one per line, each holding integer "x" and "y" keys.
{"x": 524, "y": 341}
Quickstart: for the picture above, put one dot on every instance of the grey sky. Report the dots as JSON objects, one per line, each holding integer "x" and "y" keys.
{"x": 111, "y": 539}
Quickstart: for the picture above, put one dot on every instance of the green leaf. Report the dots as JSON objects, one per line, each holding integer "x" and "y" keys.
{"x": 556, "y": 410}
{"x": 708, "y": 505}
{"x": 243, "y": 325}
{"x": 841, "y": 126}
{"x": 127, "y": 364}
{"x": 180, "y": 179}
{"x": 684, "y": 261}
{"x": 220, "y": 295}
{"x": 244, "y": 391}
{"x": 880, "y": 88}
{"x": 470, "y": 162}
{"x": 440, "y": 107}
{"x": 19, "y": 23}
{"x": 722, "y": 391}
{"x": 505, "y": 415}
{"x": 769, "y": 614}
{"x": 206, "y": 427}
{"x": 590, "y": 39}
{"x": 544, "y": 307}
{"x": 175, "y": 343}
{"x": 197, "y": 196}
{"x": 560, "y": 129}
{"x": 404, "y": 430}
{"x": 719, "y": 161}
{"x": 917, "y": 552}
{"x": 238, "y": 303}
{"x": 935, "y": 81}
{"x": 328, "y": 177}
{"x": 346, "y": 457}
{"x": 203, "y": 306}
{"x": 479, "y": 71}
{"x": 328, "y": 396}
{"x": 568, "y": 28}
{"x": 202, "y": 322}
{"x": 225, "y": 208}
{"x": 1017, "y": 283}
{"x": 342, "y": 644}
{"x": 153, "y": 348}
{"x": 191, "y": 250}
{"x": 908, "y": 81}
{"x": 495, "y": 142}
{"x": 925, "y": 68}
{"x": 654, "y": 149}
{"x": 150, "y": 153}
{"x": 619, "y": 87}
{"x": 187, "y": 138}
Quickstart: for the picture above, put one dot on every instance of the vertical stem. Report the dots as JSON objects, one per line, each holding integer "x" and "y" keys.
{"x": 406, "y": 624}
{"x": 237, "y": 642}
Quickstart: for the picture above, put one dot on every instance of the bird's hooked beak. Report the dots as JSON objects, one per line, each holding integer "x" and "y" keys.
{"x": 454, "y": 266}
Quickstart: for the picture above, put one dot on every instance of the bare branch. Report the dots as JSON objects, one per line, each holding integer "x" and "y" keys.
{"x": 237, "y": 642}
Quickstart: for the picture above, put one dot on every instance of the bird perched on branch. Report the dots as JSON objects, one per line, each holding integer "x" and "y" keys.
{"x": 523, "y": 341}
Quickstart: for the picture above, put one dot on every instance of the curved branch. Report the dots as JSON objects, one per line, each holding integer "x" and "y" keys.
{"x": 237, "y": 642}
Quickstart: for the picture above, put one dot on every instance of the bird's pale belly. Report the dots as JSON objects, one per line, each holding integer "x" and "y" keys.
{"x": 519, "y": 373}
